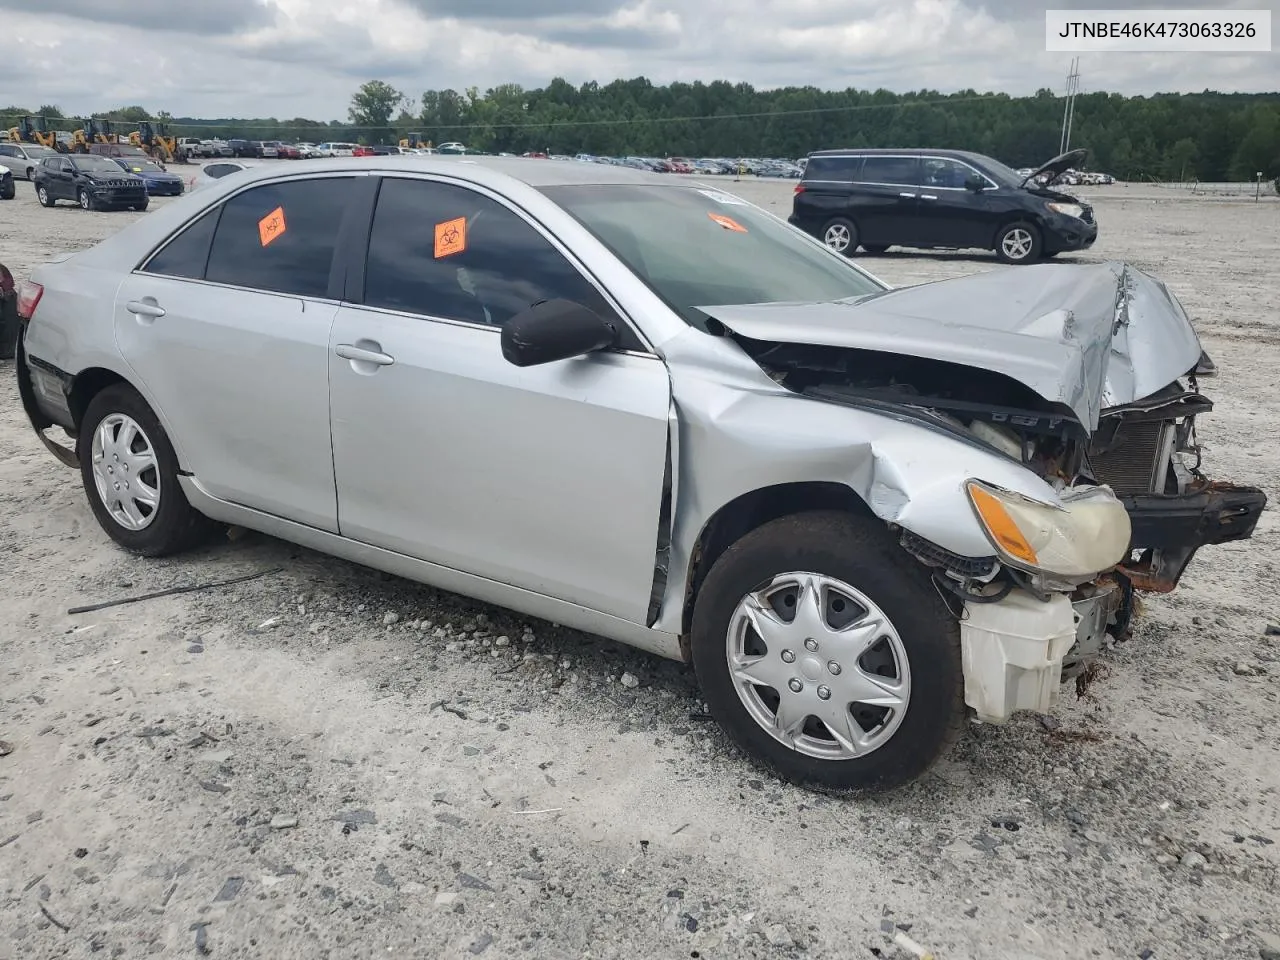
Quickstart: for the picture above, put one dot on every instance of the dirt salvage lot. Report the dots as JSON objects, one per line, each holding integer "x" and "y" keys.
{"x": 328, "y": 762}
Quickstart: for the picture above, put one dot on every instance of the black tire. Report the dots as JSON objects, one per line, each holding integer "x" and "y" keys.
{"x": 1021, "y": 236}
{"x": 1049, "y": 254}
{"x": 42, "y": 194}
{"x": 841, "y": 235}
{"x": 860, "y": 552}
{"x": 10, "y": 193}
{"x": 875, "y": 249}
{"x": 85, "y": 199}
{"x": 31, "y": 173}
{"x": 140, "y": 206}
{"x": 175, "y": 525}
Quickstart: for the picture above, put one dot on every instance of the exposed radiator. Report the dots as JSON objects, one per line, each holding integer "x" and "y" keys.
{"x": 1135, "y": 460}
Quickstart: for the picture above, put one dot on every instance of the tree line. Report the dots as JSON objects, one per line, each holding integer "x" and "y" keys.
{"x": 1206, "y": 136}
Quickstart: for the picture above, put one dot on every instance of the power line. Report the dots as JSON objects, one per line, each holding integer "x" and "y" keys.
{"x": 550, "y": 124}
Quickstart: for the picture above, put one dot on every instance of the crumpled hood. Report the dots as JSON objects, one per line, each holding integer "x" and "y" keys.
{"x": 1090, "y": 336}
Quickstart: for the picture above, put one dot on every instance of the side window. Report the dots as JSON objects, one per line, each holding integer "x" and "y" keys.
{"x": 940, "y": 172}
{"x": 7, "y": 151}
{"x": 839, "y": 169}
{"x": 898, "y": 171}
{"x": 187, "y": 254}
{"x": 446, "y": 251}
{"x": 280, "y": 237}
{"x": 216, "y": 170}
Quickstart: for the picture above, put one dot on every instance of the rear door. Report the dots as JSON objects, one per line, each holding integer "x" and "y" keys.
{"x": 62, "y": 179}
{"x": 549, "y": 478}
{"x": 884, "y": 200}
{"x": 227, "y": 327}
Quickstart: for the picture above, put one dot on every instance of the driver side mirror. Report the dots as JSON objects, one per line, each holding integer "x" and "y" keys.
{"x": 976, "y": 184}
{"x": 554, "y": 330}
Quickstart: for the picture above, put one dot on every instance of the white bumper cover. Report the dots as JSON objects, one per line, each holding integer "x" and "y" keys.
{"x": 1012, "y": 653}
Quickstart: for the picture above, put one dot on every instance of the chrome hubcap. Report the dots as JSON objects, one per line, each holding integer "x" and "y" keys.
{"x": 84, "y": 199}
{"x": 126, "y": 472}
{"x": 819, "y": 666}
{"x": 837, "y": 237}
{"x": 1016, "y": 244}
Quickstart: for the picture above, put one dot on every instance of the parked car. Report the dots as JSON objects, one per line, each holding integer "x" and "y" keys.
{"x": 271, "y": 149}
{"x": 159, "y": 181}
{"x": 8, "y": 189}
{"x": 215, "y": 171}
{"x": 117, "y": 151}
{"x": 854, "y": 510}
{"x": 10, "y": 324}
{"x": 334, "y": 149}
{"x": 288, "y": 151}
{"x": 23, "y": 158}
{"x": 245, "y": 148}
{"x": 94, "y": 182}
{"x": 191, "y": 146}
{"x": 307, "y": 151}
{"x": 939, "y": 199}
{"x": 360, "y": 150}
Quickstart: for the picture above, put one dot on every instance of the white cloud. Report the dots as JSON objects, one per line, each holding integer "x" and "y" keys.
{"x": 289, "y": 58}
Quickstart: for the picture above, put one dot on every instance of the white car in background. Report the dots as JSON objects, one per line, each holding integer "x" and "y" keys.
{"x": 307, "y": 150}
{"x": 333, "y": 150}
{"x": 215, "y": 170}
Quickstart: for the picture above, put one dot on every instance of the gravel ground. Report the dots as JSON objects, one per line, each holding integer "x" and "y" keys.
{"x": 328, "y": 762}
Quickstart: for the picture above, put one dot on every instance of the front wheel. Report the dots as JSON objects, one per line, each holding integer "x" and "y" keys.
{"x": 130, "y": 474}
{"x": 827, "y": 655}
{"x": 43, "y": 196}
{"x": 841, "y": 235}
{"x": 1018, "y": 243}
{"x": 85, "y": 200}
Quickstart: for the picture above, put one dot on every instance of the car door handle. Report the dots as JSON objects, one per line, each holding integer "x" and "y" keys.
{"x": 909, "y": 196}
{"x": 927, "y": 196}
{"x": 145, "y": 308}
{"x": 349, "y": 351}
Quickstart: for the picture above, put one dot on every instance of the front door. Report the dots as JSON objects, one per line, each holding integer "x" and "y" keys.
{"x": 227, "y": 327}
{"x": 548, "y": 478}
{"x": 951, "y": 214}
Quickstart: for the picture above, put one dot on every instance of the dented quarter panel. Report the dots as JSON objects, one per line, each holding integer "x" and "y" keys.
{"x": 739, "y": 432}
{"x": 1086, "y": 336}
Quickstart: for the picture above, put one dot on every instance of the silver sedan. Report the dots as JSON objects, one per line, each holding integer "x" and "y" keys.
{"x": 651, "y": 411}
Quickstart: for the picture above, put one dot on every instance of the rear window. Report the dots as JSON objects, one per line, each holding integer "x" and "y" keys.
{"x": 899, "y": 171}
{"x": 838, "y": 169}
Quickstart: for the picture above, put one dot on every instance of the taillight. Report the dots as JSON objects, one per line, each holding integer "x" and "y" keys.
{"x": 29, "y": 294}
{"x": 799, "y": 188}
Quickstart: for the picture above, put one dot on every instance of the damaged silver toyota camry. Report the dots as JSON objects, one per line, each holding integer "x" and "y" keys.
{"x": 646, "y": 409}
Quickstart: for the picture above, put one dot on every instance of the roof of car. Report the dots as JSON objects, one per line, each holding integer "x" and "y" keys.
{"x": 535, "y": 173}
{"x": 904, "y": 151}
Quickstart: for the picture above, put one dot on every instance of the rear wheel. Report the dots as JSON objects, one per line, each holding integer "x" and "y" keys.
{"x": 130, "y": 474}
{"x": 827, "y": 655}
{"x": 841, "y": 235}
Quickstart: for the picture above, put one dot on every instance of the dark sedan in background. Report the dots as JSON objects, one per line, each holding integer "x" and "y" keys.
{"x": 158, "y": 181}
{"x": 950, "y": 199}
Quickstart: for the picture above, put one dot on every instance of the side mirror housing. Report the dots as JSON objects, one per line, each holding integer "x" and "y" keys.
{"x": 554, "y": 330}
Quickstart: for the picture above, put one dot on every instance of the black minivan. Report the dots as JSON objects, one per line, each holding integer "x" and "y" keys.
{"x": 876, "y": 199}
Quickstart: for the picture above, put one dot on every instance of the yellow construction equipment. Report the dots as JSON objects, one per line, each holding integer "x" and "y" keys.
{"x": 155, "y": 139}
{"x": 34, "y": 130}
{"x": 100, "y": 131}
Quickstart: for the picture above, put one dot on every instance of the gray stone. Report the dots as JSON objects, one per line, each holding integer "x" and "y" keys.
{"x": 356, "y": 817}
{"x": 229, "y": 889}
{"x": 283, "y": 821}
{"x": 446, "y": 898}
{"x": 383, "y": 876}
{"x": 778, "y": 935}
{"x": 1194, "y": 861}
{"x": 630, "y": 681}
{"x": 390, "y": 618}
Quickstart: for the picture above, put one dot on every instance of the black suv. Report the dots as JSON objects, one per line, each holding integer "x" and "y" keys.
{"x": 94, "y": 182}
{"x": 939, "y": 198}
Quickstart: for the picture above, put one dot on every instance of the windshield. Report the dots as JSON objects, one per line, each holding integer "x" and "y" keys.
{"x": 698, "y": 247}
{"x": 1004, "y": 176}
{"x": 96, "y": 165}
{"x": 38, "y": 152}
{"x": 145, "y": 166}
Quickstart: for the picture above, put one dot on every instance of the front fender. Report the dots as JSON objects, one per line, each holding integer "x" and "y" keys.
{"x": 738, "y": 433}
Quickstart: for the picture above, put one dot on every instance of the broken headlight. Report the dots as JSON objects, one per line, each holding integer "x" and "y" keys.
{"x": 1087, "y": 534}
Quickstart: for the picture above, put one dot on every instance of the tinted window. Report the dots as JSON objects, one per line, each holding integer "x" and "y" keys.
{"x": 280, "y": 236}
{"x": 939, "y": 172}
{"x": 894, "y": 170}
{"x": 8, "y": 151}
{"x": 842, "y": 169}
{"x": 187, "y": 254}
{"x": 219, "y": 169}
{"x": 501, "y": 266}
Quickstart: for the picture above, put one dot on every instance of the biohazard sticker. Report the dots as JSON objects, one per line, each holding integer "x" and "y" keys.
{"x": 451, "y": 237}
{"x": 727, "y": 222}
{"x": 272, "y": 226}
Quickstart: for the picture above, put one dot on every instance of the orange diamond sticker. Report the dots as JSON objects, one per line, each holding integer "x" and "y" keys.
{"x": 451, "y": 237}
{"x": 272, "y": 226}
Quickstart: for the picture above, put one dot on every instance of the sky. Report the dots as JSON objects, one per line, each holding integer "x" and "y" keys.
{"x": 304, "y": 58}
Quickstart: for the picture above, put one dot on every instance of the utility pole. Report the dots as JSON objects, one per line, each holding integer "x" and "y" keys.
{"x": 1069, "y": 107}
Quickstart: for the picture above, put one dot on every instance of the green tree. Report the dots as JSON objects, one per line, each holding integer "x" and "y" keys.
{"x": 1180, "y": 161}
{"x": 372, "y": 107}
